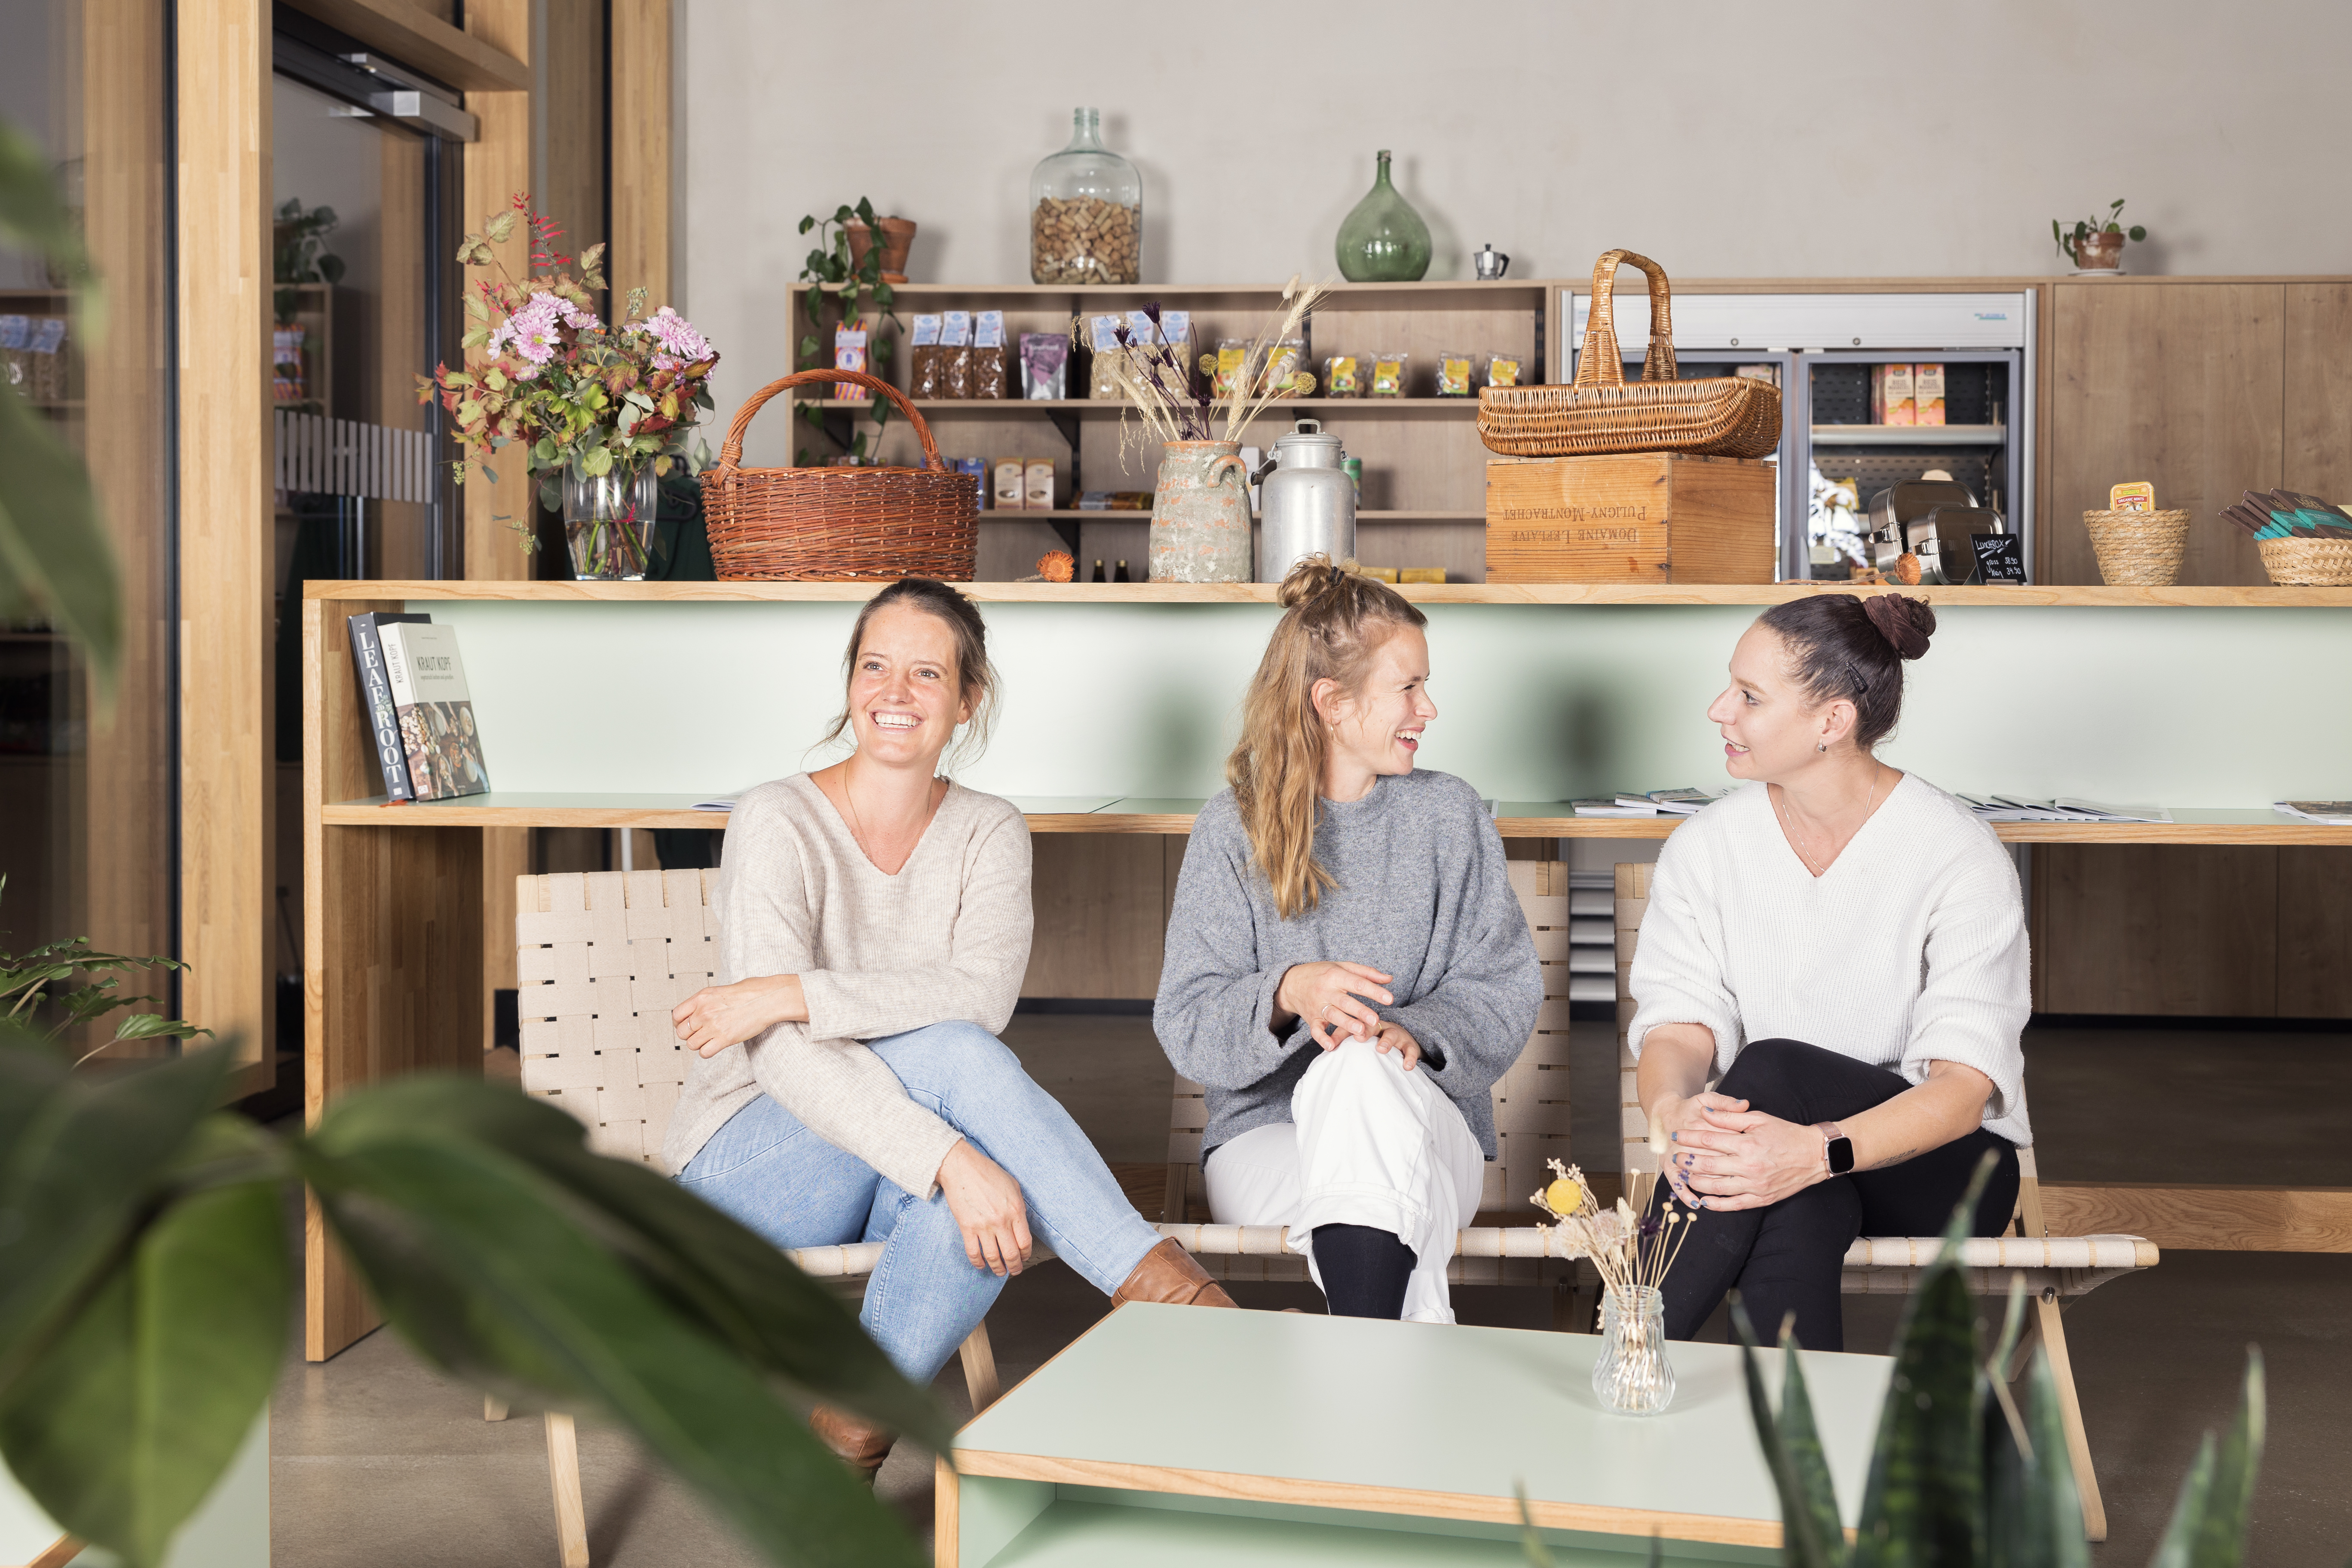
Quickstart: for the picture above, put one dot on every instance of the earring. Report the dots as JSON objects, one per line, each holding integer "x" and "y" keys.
{"x": 1822, "y": 747}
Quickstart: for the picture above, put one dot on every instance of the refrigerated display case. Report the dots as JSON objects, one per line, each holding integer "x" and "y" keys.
{"x": 1825, "y": 346}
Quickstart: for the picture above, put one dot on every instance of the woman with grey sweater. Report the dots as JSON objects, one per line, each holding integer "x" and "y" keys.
{"x": 1348, "y": 970}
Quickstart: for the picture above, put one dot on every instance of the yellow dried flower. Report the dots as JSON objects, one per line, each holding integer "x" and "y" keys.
{"x": 1563, "y": 1196}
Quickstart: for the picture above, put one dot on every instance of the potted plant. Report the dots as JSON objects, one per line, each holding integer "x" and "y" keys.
{"x": 898, "y": 239}
{"x": 848, "y": 275}
{"x": 600, "y": 411}
{"x": 2096, "y": 244}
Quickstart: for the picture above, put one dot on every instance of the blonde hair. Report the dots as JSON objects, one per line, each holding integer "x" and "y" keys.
{"x": 1336, "y": 618}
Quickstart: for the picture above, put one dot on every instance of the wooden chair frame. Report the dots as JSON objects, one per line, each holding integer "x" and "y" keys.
{"x": 602, "y": 958}
{"x": 2057, "y": 1269}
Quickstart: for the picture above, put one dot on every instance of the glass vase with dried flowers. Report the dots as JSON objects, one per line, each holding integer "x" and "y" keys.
{"x": 600, "y": 411}
{"x": 1633, "y": 1253}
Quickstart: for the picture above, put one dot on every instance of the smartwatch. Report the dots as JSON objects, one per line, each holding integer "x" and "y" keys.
{"x": 1837, "y": 1149}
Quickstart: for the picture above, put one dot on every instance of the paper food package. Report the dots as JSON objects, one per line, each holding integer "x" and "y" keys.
{"x": 1891, "y": 396}
{"x": 1927, "y": 393}
{"x": 1037, "y": 489}
{"x": 1011, "y": 474}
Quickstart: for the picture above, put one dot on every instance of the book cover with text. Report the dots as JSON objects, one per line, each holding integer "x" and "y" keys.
{"x": 437, "y": 731}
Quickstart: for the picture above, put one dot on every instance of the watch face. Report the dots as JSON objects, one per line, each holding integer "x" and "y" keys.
{"x": 1841, "y": 1156}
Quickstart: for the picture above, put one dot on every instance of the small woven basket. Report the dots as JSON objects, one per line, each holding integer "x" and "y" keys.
{"x": 2138, "y": 549}
{"x": 1598, "y": 412}
{"x": 839, "y": 525}
{"x": 2307, "y": 562}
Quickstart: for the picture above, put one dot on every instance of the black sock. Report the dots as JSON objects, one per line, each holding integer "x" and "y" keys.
{"x": 1364, "y": 1271}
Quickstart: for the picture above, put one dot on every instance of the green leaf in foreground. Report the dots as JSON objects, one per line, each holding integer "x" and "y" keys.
{"x": 131, "y": 1416}
{"x": 2210, "y": 1514}
{"x": 1811, "y": 1534}
{"x": 54, "y": 560}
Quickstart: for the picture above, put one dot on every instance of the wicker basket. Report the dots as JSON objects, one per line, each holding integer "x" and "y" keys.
{"x": 1717, "y": 416}
{"x": 839, "y": 525}
{"x": 2307, "y": 562}
{"x": 2138, "y": 549}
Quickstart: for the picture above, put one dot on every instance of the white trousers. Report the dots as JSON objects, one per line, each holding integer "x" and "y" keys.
{"x": 1367, "y": 1143}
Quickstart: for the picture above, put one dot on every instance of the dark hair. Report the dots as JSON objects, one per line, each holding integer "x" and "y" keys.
{"x": 1334, "y": 619}
{"x": 1839, "y": 645}
{"x": 974, "y": 675}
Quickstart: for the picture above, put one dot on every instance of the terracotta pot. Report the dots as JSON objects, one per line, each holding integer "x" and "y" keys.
{"x": 1200, "y": 514}
{"x": 2100, "y": 252}
{"x": 898, "y": 239}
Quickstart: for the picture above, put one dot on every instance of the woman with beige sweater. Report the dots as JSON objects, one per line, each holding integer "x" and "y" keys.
{"x": 874, "y": 926}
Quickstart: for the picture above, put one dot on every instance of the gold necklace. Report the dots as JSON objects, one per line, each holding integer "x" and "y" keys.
{"x": 857, "y": 823}
{"x": 1804, "y": 843}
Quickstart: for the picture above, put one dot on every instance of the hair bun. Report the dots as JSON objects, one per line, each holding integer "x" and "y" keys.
{"x": 1905, "y": 624}
{"x": 1311, "y": 578}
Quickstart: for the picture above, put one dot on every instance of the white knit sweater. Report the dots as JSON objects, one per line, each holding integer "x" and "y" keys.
{"x": 1910, "y": 950}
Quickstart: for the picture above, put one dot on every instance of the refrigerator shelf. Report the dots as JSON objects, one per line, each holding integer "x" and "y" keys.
{"x": 1909, "y": 435}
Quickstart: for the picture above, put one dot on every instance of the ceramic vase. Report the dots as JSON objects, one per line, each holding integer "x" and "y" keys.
{"x": 1633, "y": 1376}
{"x": 1200, "y": 514}
{"x": 1383, "y": 240}
{"x": 608, "y": 522}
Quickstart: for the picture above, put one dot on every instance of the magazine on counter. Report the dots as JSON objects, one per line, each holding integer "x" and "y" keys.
{"x": 437, "y": 732}
{"x": 376, "y": 697}
{"x": 2334, "y": 813}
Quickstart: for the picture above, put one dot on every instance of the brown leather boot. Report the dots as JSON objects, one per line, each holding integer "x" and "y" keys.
{"x": 861, "y": 1445}
{"x": 1169, "y": 1274}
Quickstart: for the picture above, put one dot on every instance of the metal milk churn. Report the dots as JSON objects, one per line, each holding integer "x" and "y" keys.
{"x": 1307, "y": 503}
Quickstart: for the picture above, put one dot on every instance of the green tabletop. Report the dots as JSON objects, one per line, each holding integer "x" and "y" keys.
{"x": 1348, "y": 1414}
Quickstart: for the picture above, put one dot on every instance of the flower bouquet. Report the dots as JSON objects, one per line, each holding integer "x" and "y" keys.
{"x": 1633, "y": 1253}
{"x": 600, "y": 411}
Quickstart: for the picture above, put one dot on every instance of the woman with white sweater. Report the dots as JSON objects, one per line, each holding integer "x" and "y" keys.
{"x": 1348, "y": 971}
{"x": 873, "y": 925}
{"x": 1845, "y": 944}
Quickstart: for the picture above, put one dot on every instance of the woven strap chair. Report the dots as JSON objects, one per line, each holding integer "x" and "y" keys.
{"x": 1531, "y": 1125}
{"x": 602, "y": 958}
{"x": 2057, "y": 1269}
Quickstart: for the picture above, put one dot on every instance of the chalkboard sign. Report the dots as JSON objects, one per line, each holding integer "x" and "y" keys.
{"x": 1999, "y": 558}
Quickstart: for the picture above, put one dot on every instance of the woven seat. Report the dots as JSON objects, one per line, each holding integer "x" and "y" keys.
{"x": 1531, "y": 1126}
{"x": 601, "y": 959}
{"x": 2055, "y": 1268}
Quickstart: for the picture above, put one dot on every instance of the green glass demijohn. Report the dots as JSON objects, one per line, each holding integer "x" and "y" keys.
{"x": 1383, "y": 240}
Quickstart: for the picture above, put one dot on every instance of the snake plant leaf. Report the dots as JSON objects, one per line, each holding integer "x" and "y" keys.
{"x": 2210, "y": 1514}
{"x": 1811, "y": 1535}
{"x": 132, "y": 1414}
{"x": 78, "y": 1159}
{"x": 494, "y": 1272}
{"x": 1923, "y": 1505}
{"x": 54, "y": 560}
{"x": 734, "y": 1283}
{"x": 2053, "y": 1501}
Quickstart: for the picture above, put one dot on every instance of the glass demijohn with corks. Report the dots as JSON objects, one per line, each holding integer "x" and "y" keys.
{"x": 1085, "y": 212}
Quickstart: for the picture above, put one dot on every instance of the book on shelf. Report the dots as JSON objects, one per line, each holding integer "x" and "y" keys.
{"x": 2063, "y": 808}
{"x": 2334, "y": 813}
{"x": 438, "y": 732}
{"x": 1621, "y": 804}
{"x": 719, "y": 801}
{"x": 1684, "y": 802}
{"x": 376, "y": 697}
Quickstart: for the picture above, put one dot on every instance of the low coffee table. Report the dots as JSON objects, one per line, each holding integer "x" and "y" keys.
{"x": 1181, "y": 1434}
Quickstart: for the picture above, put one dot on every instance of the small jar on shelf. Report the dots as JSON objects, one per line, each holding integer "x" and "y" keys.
{"x": 1085, "y": 212}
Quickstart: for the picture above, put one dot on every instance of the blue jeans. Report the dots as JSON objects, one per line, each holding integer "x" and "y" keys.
{"x": 768, "y": 1171}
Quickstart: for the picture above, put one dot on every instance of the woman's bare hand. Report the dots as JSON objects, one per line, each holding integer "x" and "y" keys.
{"x": 1744, "y": 1160}
{"x": 1393, "y": 1037}
{"x": 988, "y": 1208}
{"x": 1330, "y": 997}
{"x": 717, "y": 1016}
{"x": 1675, "y": 1115}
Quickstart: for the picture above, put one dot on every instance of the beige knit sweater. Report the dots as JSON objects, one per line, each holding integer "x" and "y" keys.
{"x": 947, "y": 938}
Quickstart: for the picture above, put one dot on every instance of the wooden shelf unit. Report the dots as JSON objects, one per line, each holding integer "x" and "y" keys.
{"x": 1423, "y": 501}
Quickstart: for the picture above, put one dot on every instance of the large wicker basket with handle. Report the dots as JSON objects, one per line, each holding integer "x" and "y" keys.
{"x": 1718, "y": 416}
{"x": 836, "y": 525}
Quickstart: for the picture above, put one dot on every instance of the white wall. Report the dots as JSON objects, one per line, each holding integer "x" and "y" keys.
{"x": 1864, "y": 137}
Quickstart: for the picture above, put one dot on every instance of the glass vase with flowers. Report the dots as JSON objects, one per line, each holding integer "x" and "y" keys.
{"x": 600, "y": 411}
{"x": 1633, "y": 1253}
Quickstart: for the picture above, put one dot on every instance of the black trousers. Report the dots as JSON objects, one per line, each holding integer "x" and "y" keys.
{"x": 1785, "y": 1256}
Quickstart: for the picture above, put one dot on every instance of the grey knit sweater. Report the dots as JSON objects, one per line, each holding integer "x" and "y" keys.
{"x": 1422, "y": 895}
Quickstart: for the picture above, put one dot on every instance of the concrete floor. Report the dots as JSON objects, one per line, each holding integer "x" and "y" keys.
{"x": 378, "y": 1463}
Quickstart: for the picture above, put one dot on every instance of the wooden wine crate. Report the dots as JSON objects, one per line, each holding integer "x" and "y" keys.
{"x": 1641, "y": 517}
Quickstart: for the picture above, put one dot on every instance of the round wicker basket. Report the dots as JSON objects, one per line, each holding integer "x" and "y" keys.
{"x": 2307, "y": 562}
{"x": 2138, "y": 549}
{"x": 839, "y": 525}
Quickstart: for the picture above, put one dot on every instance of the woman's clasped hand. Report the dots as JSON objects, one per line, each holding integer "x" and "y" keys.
{"x": 1336, "y": 999}
{"x": 717, "y": 1016}
{"x": 1721, "y": 1155}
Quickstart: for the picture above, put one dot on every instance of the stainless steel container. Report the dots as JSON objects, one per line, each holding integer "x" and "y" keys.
{"x": 1307, "y": 503}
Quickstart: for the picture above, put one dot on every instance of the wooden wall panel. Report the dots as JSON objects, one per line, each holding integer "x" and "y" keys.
{"x": 2183, "y": 929}
{"x": 2318, "y": 399}
{"x": 2179, "y": 385}
{"x": 225, "y": 512}
{"x": 2314, "y": 932}
{"x": 1101, "y": 902}
{"x": 641, "y": 150}
{"x": 571, "y": 119}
